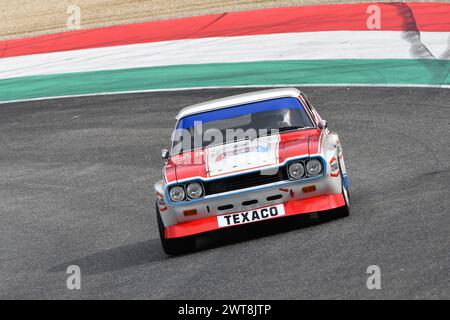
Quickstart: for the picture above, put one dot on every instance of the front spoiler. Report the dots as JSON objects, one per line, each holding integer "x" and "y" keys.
{"x": 292, "y": 207}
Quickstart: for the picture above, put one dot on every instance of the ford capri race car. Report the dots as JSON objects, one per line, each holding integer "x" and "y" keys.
{"x": 245, "y": 159}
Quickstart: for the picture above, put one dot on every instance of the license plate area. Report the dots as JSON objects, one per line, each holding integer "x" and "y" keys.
{"x": 250, "y": 216}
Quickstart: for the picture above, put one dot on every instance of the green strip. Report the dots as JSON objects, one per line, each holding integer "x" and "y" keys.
{"x": 420, "y": 72}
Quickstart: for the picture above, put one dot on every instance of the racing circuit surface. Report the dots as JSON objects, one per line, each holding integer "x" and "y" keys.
{"x": 76, "y": 187}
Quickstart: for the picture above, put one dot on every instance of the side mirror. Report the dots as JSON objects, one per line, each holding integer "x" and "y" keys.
{"x": 165, "y": 154}
{"x": 322, "y": 124}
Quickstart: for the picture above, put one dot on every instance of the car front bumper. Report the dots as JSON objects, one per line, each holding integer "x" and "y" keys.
{"x": 291, "y": 207}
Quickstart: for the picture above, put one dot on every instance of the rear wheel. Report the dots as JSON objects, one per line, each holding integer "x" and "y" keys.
{"x": 174, "y": 246}
{"x": 340, "y": 212}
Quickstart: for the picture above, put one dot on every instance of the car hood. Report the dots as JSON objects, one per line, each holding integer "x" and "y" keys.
{"x": 242, "y": 156}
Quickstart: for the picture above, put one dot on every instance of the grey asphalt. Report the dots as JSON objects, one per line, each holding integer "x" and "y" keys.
{"x": 76, "y": 180}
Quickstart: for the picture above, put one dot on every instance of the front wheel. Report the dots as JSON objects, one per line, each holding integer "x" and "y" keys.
{"x": 174, "y": 246}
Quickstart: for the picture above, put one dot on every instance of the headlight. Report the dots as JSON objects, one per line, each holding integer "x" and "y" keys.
{"x": 296, "y": 170}
{"x": 194, "y": 190}
{"x": 313, "y": 167}
{"x": 177, "y": 194}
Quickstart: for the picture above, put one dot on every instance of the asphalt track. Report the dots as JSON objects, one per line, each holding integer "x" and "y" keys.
{"x": 76, "y": 179}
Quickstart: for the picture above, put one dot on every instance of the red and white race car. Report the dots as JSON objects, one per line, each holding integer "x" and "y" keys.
{"x": 244, "y": 159}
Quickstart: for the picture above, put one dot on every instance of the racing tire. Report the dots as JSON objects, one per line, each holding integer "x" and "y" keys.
{"x": 340, "y": 212}
{"x": 175, "y": 246}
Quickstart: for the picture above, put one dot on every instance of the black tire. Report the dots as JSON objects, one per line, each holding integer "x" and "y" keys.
{"x": 340, "y": 212}
{"x": 174, "y": 246}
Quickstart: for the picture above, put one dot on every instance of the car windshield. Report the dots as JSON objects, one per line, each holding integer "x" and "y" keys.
{"x": 246, "y": 121}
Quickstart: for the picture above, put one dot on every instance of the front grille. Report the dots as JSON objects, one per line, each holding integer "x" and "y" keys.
{"x": 243, "y": 181}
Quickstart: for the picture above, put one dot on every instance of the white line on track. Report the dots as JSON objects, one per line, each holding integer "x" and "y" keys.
{"x": 233, "y": 87}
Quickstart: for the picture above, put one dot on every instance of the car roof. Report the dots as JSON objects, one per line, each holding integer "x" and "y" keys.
{"x": 238, "y": 100}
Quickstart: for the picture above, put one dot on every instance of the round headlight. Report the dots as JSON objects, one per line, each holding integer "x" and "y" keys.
{"x": 177, "y": 194}
{"x": 313, "y": 167}
{"x": 296, "y": 170}
{"x": 194, "y": 190}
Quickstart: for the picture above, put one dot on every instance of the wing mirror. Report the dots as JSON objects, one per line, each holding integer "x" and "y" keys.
{"x": 165, "y": 154}
{"x": 322, "y": 124}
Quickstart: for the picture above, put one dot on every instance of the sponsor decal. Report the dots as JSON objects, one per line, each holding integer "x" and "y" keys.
{"x": 334, "y": 165}
{"x": 244, "y": 149}
{"x": 250, "y": 216}
{"x": 243, "y": 155}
